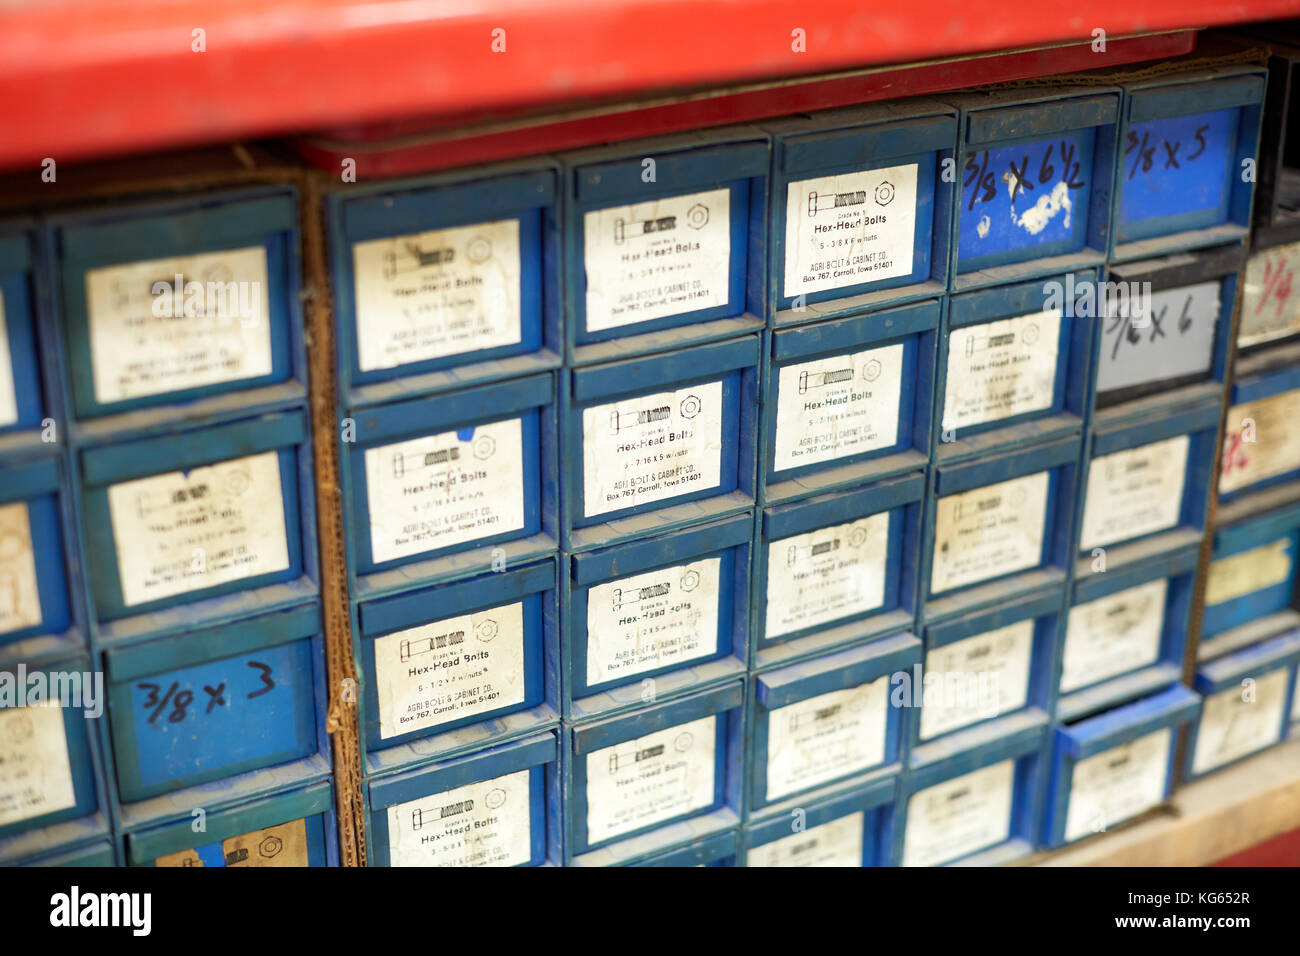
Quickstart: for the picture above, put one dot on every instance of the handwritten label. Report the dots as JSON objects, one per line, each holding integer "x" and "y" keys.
{"x": 988, "y": 532}
{"x": 836, "y": 843}
{"x": 216, "y": 330}
{"x": 659, "y": 258}
{"x": 1117, "y": 784}
{"x": 826, "y": 737}
{"x": 185, "y": 531}
{"x": 8, "y": 396}
{"x": 1001, "y": 369}
{"x": 432, "y": 294}
{"x": 1269, "y": 308}
{"x": 849, "y": 229}
{"x": 988, "y": 675}
{"x": 960, "y": 816}
{"x": 826, "y": 575}
{"x": 1261, "y": 442}
{"x": 1134, "y": 492}
{"x": 35, "y": 772}
{"x": 445, "y": 489}
{"x": 450, "y": 669}
{"x": 284, "y": 845}
{"x": 1114, "y": 635}
{"x": 480, "y": 824}
{"x": 651, "y": 448}
{"x": 1249, "y": 571}
{"x": 1177, "y": 165}
{"x": 1171, "y": 337}
{"x": 652, "y": 620}
{"x": 20, "y": 596}
{"x": 1235, "y": 723}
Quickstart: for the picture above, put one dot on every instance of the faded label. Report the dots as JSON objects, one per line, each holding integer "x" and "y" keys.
{"x": 35, "y": 772}
{"x": 1113, "y": 635}
{"x": 1249, "y": 571}
{"x": 1001, "y": 369}
{"x": 837, "y": 843}
{"x": 960, "y": 816}
{"x": 1262, "y": 441}
{"x": 977, "y": 678}
{"x": 20, "y": 597}
{"x": 988, "y": 532}
{"x": 185, "y": 531}
{"x": 826, "y": 737}
{"x": 1240, "y": 720}
{"x": 445, "y": 489}
{"x": 1134, "y": 492}
{"x": 1172, "y": 337}
{"x": 1117, "y": 784}
{"x": 432, "y": 294}
{"x": 1270, "y": 305}
{"x": 8, "y": 397}
{"x": 480, "y": 824}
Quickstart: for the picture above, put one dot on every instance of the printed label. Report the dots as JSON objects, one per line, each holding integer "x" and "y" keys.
{"x": 1113, "y": 635}
{"x": 284, "y": 845}
{"x": 450, "y": 669}
{"x": 659, "y": 258}
{"x": 826, "y": 737}
{"x": 651, "y": 447}
{"x": 35, "y": 772}
{"x": 431, "y": 294}
{"x": 959, "y": 816}
{"x": 837, "y": 843}
{"x": 1134, "y": 492}
{"x": 827, "y": 574}
{"x": 982, "y": 676}
{"x": 20, "y": 597}
{"x": 1262, "y": 441}
{"x": 1117, "y": 784}
{"x": 185, "y": 531}
{"x": 445, "y": 489}
{"x": 1172, "y": 338}
{"x": 1269, "y": 308}
{"x": 1240, "y": 720}
{"x": 178, "y": 323}
{"x": 654, "y": 778}
{"x": 849, "y": 229}
{"x": 1248, "y": 571}
{"x": 988, "y": 532}
{"x": 1000, "y": 369}
{"x": 837, "y": 407}
{"x": 480, "y": 824}
{"x": 8, "y": 397}
{"x": 653, "y": 620}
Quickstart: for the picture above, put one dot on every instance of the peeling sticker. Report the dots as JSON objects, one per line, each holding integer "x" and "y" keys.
{"x": 1034, "y": 219}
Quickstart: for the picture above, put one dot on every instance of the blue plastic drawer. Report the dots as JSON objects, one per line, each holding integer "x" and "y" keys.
{"x": 710, "y": 837}
{"x": 1248, "y": 704}
{"x": 719, "y": 850}
{"x": 435, "y": 659}
{"x": 655, "y": 443}
{"x": 664, "y": 234}
{"x": 288, "y": 830}
{"x": 837, "y": 569}
{"x": 1260, "y": 446}
{"x": 33, "y": 587}
{"x": 491, "y": 808}
{"x": 457, "y": 271}
{"x": 667, "y": 762}
{"x": 1186, "y": 141}
{"x": 821, "y": 721}
{"x": 21, "y": 403}
{"x": 1114, "y": 766}
{"x": 97, "y": 854}
{"x": 654, "y": 615}
{"x": 190, "y": 708}
{"x": 1252, "y": 570}
{"x": 848, "y": 401}
{"x": 1270, "y": 309}
{"x": 861, "y": 207}
{"x": 450, "y": 472}
{"x": 176, "y": 301}
{"x": 1035, "y": 173}
{"x": 1014, "y": 364}
{"x": 197, "y": 514}
{"x": 845, "y": 830}
{"x": 986, "y": 665}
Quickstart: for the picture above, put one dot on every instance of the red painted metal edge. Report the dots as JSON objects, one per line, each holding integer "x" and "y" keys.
{"x": 1282, "y": 850}
{"x": 83, "y": 78}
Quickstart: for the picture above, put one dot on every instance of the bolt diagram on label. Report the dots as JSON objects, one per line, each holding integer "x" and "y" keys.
{"x": 1117, "y": 784}
{"x": 1001, "y": 369}
{"x": 35, "y": 773}
{"x": 480, "y": 824}
{"x": 1113, "y": 635}
{"x": 1134, "y": 492}
{"x": 1240, "y": 720}
{"x": 20, "y": 597}
{"x": 960, "y": 816}
{"x": 1262, "y": 441}
{"x": 978, "y": 678}
{"x": 837, "y": 843}
{"x": 988, "y": 532}
{"x": 826, "y": 737}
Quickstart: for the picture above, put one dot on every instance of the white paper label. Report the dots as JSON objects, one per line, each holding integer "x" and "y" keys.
{"x": 1295, "y": 707}
{"x": 1270, "y": 309}
{"x": 653, "y": 778}
{"x": 1001, "y": 369}
{"x": 1113, "y": 635}
{"x": 20, "y": 597}
{"x": 145, "y": 339}
{"x": 1134, "y": 492}
{"x": 445, "y": 489}
{"x": 827, "y": 574}
{"x": 826, "y": 737}
{"x": 1262, "y": 441}
{"x": 1240, "y": 720}
{"x": 959, "y": 816}
{"x": 652, "y": 620}
{"x": 1248, "y": 571}
{"x": 8, "y": 397}
{"x": 651, "y": 447}
{"x": 1170, "y": 338}
{"x": 186, "y": 531}
{"x": 836, "y": 843}
{"x": 659, "y": 258}
{"x": 977, "y": 678}
{"x": 431, "y": 294}
{"x": 479, "y": 824}
{"x": 849, "y": 229}
{"x": 988, "y": 532}
{"x": 1117, "y": 784}
{"x": 450, "y": 669}
{"x": 35, "y": 772}
{"x": 838, "y": 407}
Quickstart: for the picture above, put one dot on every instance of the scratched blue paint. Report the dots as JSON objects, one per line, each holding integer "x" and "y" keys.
{"x": 1027, "y": 195}
{"x": 464, "y": 434}
{"x": 1178, "y": 165}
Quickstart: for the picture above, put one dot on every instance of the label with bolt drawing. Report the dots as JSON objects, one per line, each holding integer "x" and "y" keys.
{"x": 1117, "y": 784}
{"x": 480, "y": 824}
